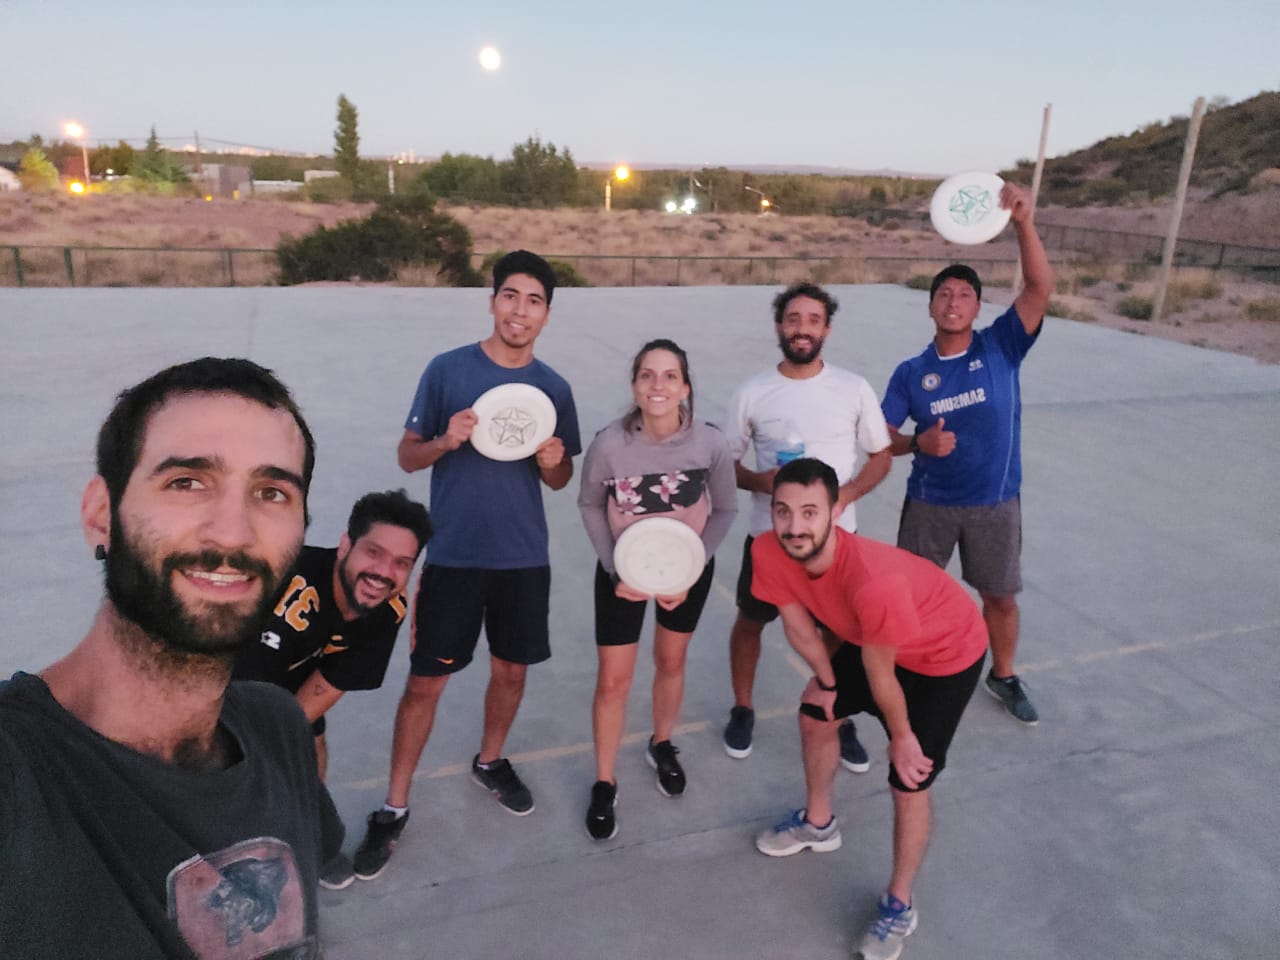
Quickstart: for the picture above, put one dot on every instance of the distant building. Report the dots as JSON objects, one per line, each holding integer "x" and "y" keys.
{"x": 309, "y": 175}
{"x": 9, "y": 180}
{"x": 221, "y": 179}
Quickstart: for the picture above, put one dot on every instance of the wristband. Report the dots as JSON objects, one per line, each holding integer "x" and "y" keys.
{"x": 823, "y": 687}
{"x": 915, "y": 443}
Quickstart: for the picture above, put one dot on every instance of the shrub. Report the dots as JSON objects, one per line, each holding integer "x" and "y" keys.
{"x": 36, "y": 173}
{"x": 1195, "y": 288}
{"x": 402, "y": 231}
{"x": 1267, "y": 309}
{"x": 1135, "y": 307}
{"x": 566, "y": 274}
{"x": 1057, "y": 308}
{"x": 918, "y": 281}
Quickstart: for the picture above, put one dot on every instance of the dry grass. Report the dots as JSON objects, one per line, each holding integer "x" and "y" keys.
{"x": 643, "y": 246}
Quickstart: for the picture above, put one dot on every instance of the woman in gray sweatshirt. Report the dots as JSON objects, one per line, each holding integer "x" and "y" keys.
{"x": 655, "y": 461}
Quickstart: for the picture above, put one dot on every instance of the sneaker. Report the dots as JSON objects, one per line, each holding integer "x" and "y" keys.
{"x": 1013, "y": 698}
{"x": 795, "y": 833}
{"x": 737, "y": 732}
{"x": 501, "y": 780}
{"x": 893, "y": 924}
{"x": 853, "y": 755}
{"x": 662, "y": 757}
{"x": 379, "y": 840}
{"x": 601, "y": 823}
{"x": 338, "y": 873}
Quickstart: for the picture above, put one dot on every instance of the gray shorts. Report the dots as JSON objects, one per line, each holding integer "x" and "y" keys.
{"x": 990, "y": 540}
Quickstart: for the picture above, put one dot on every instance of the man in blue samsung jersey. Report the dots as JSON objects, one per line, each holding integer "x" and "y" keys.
{"x": 963, "y": 394}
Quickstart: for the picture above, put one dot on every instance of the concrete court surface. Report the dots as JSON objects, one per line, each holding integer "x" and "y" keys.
{"x": 1140, "y": 818}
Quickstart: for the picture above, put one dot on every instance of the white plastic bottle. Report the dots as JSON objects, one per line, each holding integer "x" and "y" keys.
{"x": 792, "y": 445}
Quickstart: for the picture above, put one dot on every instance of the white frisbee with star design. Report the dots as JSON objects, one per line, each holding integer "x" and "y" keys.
{"x": 514, "y": 420}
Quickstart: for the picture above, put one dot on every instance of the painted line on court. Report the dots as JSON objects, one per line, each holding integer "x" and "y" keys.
{"x": 700, "y": 726}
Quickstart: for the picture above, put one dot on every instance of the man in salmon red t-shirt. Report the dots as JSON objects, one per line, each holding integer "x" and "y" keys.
{"x": 912, "y": 651}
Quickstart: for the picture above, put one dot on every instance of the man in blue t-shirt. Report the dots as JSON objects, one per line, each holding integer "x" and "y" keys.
{"x": 963, "y": 394}
{"x": 487, "y": 561}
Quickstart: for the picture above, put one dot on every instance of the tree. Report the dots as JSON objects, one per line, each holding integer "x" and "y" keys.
{"x": 36, "y": 173}
{"x": 118, "y": 159}
{"x": 346, "y": 143}
{"x": 465, "y": 178}
{"x": 539, "y": 175}
{"x": 155, "y": 166}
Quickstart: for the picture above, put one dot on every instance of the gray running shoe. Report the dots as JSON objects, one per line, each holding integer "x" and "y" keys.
{"x": 379, "y": 840}
{"x": 737, "y": 732}
{"x": 894, "y": 923}
{"x": 1013, "y": 698}
{"x": 795, "y": 833}
{"x": 502, "y": 781}
{"x": 338, "y": 873}
{"x": 853, "y": 755}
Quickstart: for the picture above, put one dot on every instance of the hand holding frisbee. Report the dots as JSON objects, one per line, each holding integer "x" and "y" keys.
{"x": 966, "y": 208}
{"x": 659, "y": 556}
{"x": 512, "y": 421}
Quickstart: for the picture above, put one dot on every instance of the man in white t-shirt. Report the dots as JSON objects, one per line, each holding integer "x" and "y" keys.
{"x": 803, "y": 407}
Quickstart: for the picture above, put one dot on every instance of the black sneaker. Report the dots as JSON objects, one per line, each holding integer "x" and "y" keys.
{"x": 379, "y": 840}
{"x": 662, "y": 757}
{"x": 601, "y": 823}
{"x": 737, "y": 732}
{"x": 501, "y": 780}
{"x": 1008, "y": 690}
{"x": 853, "y": 755}
{"x": 338, "y": 873}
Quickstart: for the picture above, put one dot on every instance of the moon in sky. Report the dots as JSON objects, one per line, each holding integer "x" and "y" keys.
{"x": 490, "y": 58}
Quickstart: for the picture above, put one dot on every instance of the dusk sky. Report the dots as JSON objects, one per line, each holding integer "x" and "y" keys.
{"x": 912, "y": 86}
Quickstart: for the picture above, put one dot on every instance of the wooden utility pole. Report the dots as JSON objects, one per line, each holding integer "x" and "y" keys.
{"x": 1175, "y": 219}
{"x": 1035, "y": 188}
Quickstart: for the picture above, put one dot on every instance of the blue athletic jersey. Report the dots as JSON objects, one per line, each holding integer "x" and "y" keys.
{"x": 978, "y": 395}
{"x": 485, "y": 513}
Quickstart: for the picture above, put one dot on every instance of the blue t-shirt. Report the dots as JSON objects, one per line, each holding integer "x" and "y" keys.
{"x": 978, "y": 395}
{"x": 485, "y": 513}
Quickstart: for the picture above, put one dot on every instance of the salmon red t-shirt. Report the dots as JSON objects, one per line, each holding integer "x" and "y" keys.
{"x": 878, "y": 595}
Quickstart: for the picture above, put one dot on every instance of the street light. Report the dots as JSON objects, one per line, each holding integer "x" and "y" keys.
{"x": 620, "y": 174}
{"x": 76, "y": 132}
{"x": 765, "y": 203}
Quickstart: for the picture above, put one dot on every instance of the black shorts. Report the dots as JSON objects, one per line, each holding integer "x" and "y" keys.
{"x": 618, "y": 621}
{"x": 748, "y": 604}
{"x": 934, "y": 704}
{"x": 453, "y": 602}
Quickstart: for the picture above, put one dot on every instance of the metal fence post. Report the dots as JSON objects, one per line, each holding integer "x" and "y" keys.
{"x": 17, "y": 265}
{"x": 71, "y": 272}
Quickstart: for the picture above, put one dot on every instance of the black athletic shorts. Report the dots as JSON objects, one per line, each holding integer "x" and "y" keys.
{"x": 749, "y": 605}
{"x": 934, "y": 704}
{"x": 618, "y": 621}
{"x": 452, "y": 604}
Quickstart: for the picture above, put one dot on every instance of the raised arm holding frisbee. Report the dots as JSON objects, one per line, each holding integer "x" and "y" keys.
{"x": 911, "y": 652}
{"x": 487, "y": 562}
{"x": 655, "y": 465}
{"x": 963, "y": 393}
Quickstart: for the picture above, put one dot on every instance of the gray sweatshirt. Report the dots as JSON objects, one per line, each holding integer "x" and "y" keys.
{"x": 626, "y": 476}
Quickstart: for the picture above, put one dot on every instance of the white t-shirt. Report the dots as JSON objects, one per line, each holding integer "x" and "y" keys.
{"x": 836, "y": 412}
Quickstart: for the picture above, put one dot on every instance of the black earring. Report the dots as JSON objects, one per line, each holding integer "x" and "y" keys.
{"x": 100, "y": 552}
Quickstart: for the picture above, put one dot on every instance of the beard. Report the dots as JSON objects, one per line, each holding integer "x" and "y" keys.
{"x": 139, "y": 584}
{"x": 349, "y": 588}
{"x": 818, "y": 543}
{"x": 801, "y": 350}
